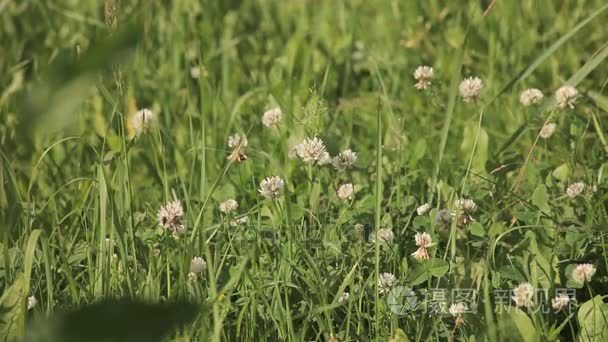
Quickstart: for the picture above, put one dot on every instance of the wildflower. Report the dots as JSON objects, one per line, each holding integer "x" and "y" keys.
{"x": 386, "y": 282}
{"x": 423, "y": 241}
{"x": 238, "y": 143}
{"x": 272, "y": 117}
{"x": 470, "y": 88}
{"x": 444, "y": 218}
{"x": 575, "y": 189}
{"x": 560, "y": 302}
{"x": 239, "y": 220}
{"x": 271, "y": 187}
{"x": 312, "y": 151}
{"x": 423, "y": 74}
{"x": 344, "y": 160}
{"x": 343, "y": 297}
{"x": 523, "y": 295}
{"x": 198, "y": 265}
{"x": 325, "y": 159}
{"x": 590, "y": 190}
{"x": 466, "y": 207}
{"x": 386, "y": 236}
{"x": 170, "y": 217}
{"x": 142, "y": 120}
{"x": 31, "y": 302}
{"x": 197, "y": 71}
{"x": 530, "y": 97}
{"x": 359, "y": 228}
{"x": 229, "y": 206}
{"x": 566, "y": 96}
{"x": 547, "y": 131}
{"x": 583, "y": 273}
{"x": 423, "y": 209}
{"x": 192, "y": 276}
{"x": 457, "y": 310}
{"x": 345, "y": 191}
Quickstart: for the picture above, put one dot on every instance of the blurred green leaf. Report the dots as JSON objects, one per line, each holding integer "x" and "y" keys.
{"x": 469, "y": 139}
{"x": 429, "y": 268}
{"x": 593, "y": 320}
{"x": 562, "y": 172}
{"x": 517, "y": 326}
{"x": 116, "y": 320}
{"x": 540, "y": 198}
{"x": 12, "y": 305}
{"x": 477, "y": 229}
{"x": 49, "y": 104}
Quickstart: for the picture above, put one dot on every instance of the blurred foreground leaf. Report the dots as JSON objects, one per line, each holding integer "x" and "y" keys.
{"x": 12, "y": 305}
{"x": 50, "y": 103}
{"x": 116, "y": 320}
{"x": 593, "y": 320}
{"x": 516, "y": 325}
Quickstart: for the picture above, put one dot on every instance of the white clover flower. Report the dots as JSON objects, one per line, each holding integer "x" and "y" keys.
{"x": 345, "y": 191}
{"x": 312, "y": 151}
{"x": 530, "y": 97}
{"x": 560, "y": 302}
{"x": 421, "y": 254}
{"x": 470, "y": 88}
{"x": 466, "y": 205}
{"x": 423, "y": 241}
{"x": 325, "y": 159}
{"x": 272, "y": 117}
{"x": 359, "y": 228}
{"x": 547, "y": 131}
{"x": 344, "y": 160}
{"x": 458, "y": 309}
{"x": 198, "y": 265}
{"x": 583, "y": 273}
{"x": 423, "y": 74}
{"x": 271, "y": 187}
{"x": 523, "y": 295}
{"x": 170, "y": 217}
{"x": 192, "y": 276}
{"x": 31, "y": 302}
{"x": 343, "y": 297}
{"x": 386, "y": 236}
{"x": 195, "y": 72}
{"x": 142, "y": 120}
{"x": 229, "y": 206}
{"x": 566, "y": 96}
{"x": 386, "y": 282}
{"x": 590, "y": 190}
{"x": 423, "y": 209}
{"x": 239, "y": 221}
{"x": 576, "y": 189}
{"x": 237, "y": 142}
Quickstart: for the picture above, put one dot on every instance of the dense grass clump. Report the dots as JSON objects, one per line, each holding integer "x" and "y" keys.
{"x": 303, "y": 170}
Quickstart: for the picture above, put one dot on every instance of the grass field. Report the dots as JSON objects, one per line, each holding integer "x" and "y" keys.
{"x": 180, "y": 170}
